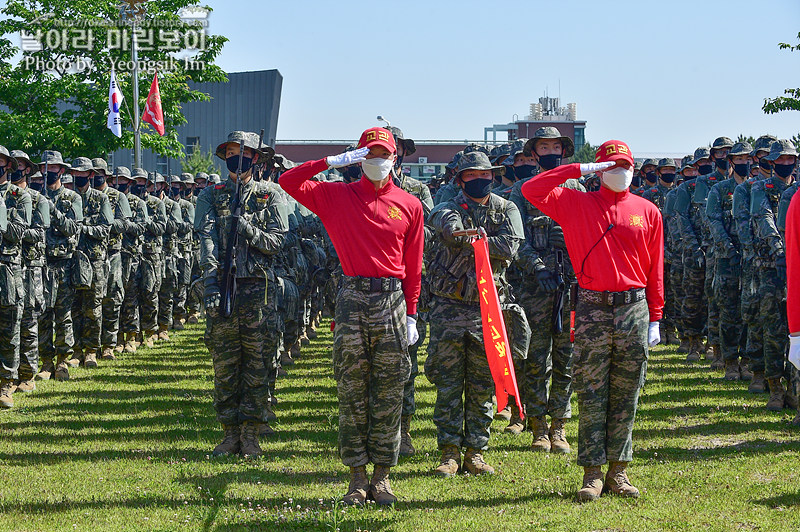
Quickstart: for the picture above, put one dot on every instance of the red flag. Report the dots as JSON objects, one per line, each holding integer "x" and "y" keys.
{"x": 153, "y": 114}
{"x": 495, "y": 339}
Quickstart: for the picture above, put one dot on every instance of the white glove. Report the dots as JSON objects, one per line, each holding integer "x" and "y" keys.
{"x": 347, "y": 158}
{"x": 653, "y": 335}
{"x": 794, "y": 351}
{"x": 590, "y": 168}
{"x": 413, "y": 334}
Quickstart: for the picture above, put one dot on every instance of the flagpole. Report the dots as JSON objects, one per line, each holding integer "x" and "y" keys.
{"x": 137, "y": 142}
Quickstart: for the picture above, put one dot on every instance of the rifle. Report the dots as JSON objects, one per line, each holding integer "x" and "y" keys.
{"x": 479, "y": 232}
{"x": 229, "y": 266}
{"x": 558, "y": 301}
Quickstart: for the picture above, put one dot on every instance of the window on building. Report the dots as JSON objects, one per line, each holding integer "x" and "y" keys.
{"x": 580, "y": 138}
{"x": 192, "y": 144}
{"x": 161, "y": 166}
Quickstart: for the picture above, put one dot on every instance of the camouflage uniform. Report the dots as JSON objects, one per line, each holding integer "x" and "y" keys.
{"x": 673, "y": 289}
{"x": 151, "y": 266}
{"x": 131, "y": 259}
{"x": 170, "y": 256}
{"x": 457, "y": 363}
{"x": 657, "y": 194}
{"x": 194, "y": 296}
{"x": 185, "y": 258}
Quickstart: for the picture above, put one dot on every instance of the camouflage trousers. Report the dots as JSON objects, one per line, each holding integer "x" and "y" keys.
{"x": 754, "y": 348}
{"x": 732, "y": 335}
{"x": 668, "y": 321}
{"x": 609, "y": 369}
{"x": 236, "y": 345}
{"x": 166, "y": 291}
{"x": 131, "y": 277}
{"x": 150, "y": 277}
{"x": 183, "y": 281}
{"x": 56, "y": 320}
{"x": 11, "y": 301}
{"x": 410, "y": 390}
{"x": 772, "y": 314}
{"x": 694, "y": 309}
{"x": 193, "y": 296}
{"x": 291, "y": 312}
{"x": 112, "y": 302}
{"x": 675, "y": 294}
{"x": 458, "y": 367}
{"x": 87, "y": 308}
{"x": 549, "y": 357}
{"x": 371, "y": 366}
{"x": 712, "y": 322}
{"x": 29, "y": 323}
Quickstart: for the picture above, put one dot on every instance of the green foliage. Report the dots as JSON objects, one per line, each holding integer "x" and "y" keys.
{"x": 749, "y": 139}
{"x": 791, "y": 100}
{"x": 585, "y": 154}
{"x": 199, "y": 161}
{"x": 33, "y": 121}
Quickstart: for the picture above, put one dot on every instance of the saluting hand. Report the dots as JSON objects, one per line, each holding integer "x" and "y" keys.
{"x": 347, "y": 158}
{"x": 590, "y": 168}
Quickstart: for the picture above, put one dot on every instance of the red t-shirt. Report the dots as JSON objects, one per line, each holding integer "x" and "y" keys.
{"x": 615, "y": 240}
{"x": 793, "y": 264}
{"x": 376, "y": 234}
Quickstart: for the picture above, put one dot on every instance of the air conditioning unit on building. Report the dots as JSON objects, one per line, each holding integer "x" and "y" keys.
{"x": 423, "y": 160}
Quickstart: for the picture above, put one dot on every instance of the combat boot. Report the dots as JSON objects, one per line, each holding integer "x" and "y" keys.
{"x": 406, "y": 445}
{"x": 380, "y": 490}
{"x": 695, "y": 349}
{"x": 130, "y": 343}
{"x": 449, "y": 463}
{"x": 7, "y": 388}
{"x": 77, "y": 358}
{"x": 26, "y": 386}
{"x": 90, "y": 359}
{"x": 744, "y": 370}
{"x": 541, "y": 441}
{"x": 732, "y": 370}
{"x": 163, "y": 334}
{"x": 707, "y": 350}
{"x": 617, "y": 481}
{"x": 558, "y": 438}
{"x": 139, "y": 339}
{"x": 108, "y": 354}
{"x": 504, "y": 413}
{"x": 718, "y": 362}
{"x": 151, "y": 337}
{"x": 684, "y": 345}
{"x": 249, "y": 440}
{"x": 474, "y": 464}
{"x": 230, "y": 442}
{"x": 312, "y": 331}
{"x": 777, "y": 395}
{"x": 672, "y": 337}
{"x": 358, "y": 488}
{"x": 178, "y": 324}
{"x": 62, "y": 372}
{"x": 515, "y": 425}
{"x": 295, "y": 350}
{"x": 265, "y": 430}
{"x": 592, "y": 484}
{"x": 790, "y": 399}
{"x": 303, "y": 340}
{"x": 120, "y": 347}
{"x": 193, "y": 319}
{"x": 47, "y": 371}
{"x": 757, "y": 385}
{"x": 270, "y": 412}
{"x": 286, "y": 359}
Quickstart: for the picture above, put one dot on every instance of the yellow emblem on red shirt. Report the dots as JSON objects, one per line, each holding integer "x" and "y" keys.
{"x": 395, "y": 214}
{"x": 636, "y": 220}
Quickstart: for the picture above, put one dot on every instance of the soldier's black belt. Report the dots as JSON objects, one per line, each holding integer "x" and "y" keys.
{"x": 372, "y": 284}
{"x": 611, "y": 299}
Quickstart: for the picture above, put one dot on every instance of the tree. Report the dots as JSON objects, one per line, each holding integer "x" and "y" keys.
{"x": 50, "y": 105}
{"x": 751, "y": 140}
{"x": 585, "y": 154}
{"x": 197, "y": 161}
{"x": 790, "y": 102}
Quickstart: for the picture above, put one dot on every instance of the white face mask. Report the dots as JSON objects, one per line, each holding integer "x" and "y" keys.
{"x": 377, "y": 169}
{"x": 618, "y": 179}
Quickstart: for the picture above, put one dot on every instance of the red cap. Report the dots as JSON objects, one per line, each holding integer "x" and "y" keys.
{"x": 377, "y": 136}
{"x": 613, "y": 150}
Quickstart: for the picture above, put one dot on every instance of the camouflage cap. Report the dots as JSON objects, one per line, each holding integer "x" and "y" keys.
{"x": 122, "y": 171}
{"x": 66, "y": 179}
{"x": 781, "y": 147}
{"x": 499, "y": 153}
{"x": 517, "y": 147}
{"x": 650, "y": 161}
{"x": 11, "y": 160}
{"x": 280, "y": 161}
{"x": 637, "y": 165}
{"x": 686, "y": 162}
{"x": 701, "y": 153}
{"x": 82, "y": 164}
{"x": 763, "y": 143}
{"x": 20, "y": 155}
{"x": 470, "y": 148}
{"x": 666, "y": 162}
{"x": 452, "y": 164}
{"x": 52, "y": 157}
{"x": 721, "y": 143}
{"x": 187, "y": 178}
{"x": 139, "y": 173}
{"x": 740, "y": 148}
{"x": 201, "y": 175}
{"x": 477, "y": 160}
{"x": 408, "y": 145}
{"x": 100, "y": 165}
{"x": 250, "y": 141}
{"x": 214, "y": 178}
{"x": 550, "y": 132}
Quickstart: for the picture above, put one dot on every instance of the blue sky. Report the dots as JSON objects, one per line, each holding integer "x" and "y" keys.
{"x": 664, "y": 76}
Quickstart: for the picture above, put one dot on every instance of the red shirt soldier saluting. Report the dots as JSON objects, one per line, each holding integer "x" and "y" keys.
{"x": 616, "y": 242}
{"x": 377, "y": 230}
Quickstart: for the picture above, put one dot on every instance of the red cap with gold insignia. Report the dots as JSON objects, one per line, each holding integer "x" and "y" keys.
{"x": 377, "y": 136}
{"x": 613, "y": 150}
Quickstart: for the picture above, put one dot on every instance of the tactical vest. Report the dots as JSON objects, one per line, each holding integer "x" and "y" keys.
{"x": 152, "y": 244}
{"x": 772, "y": 189}
{"x": 92, "y": 211}
{"x": 726, "y": 204}
{"x": 185, "y": 241}
{"x": 34, "y": 253}
{"x": 131, "y": 244}
{"x": 114, "y": 238}
{"x": 58, "y": 245}
{"x": 697, "y": 211}
{"x": 11, "y": 252}
{"x": 170, "y": 240}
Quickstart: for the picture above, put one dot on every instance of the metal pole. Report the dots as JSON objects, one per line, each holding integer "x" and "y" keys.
{"x": 137, "y": 143}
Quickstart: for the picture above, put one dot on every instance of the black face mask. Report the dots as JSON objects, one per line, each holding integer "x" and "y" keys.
{"x": 38, "y": 186}
{"x": 98, "y": 181}
{"x": 636, "y": 181}
{"x": 2, "y": 171}
{"x": 668, "y": 178}
{"x": 478, "y": 188}
{"x": 122, "y": 187}
{"x": 784, "y": 170}
{"x": 549, "y": 161}
{"x": 721, "y": 164}
{"x": 233, "y": 163}
{"x": 139, "y": 190}
{"x": 175, "y": 192}
{"x": 17, "y": 176}
{"x": 81, "y": 181}
{"x": 742, "y": 170}
{"x": 196, "y": 191}
{"x": 524, "y": 171}
{"x": 705, "y": 169}
{"x": 52, "y": 177}
{"x": 351, "y": 173}
{"x": 651, "y": 177}
{"x": 766, "y": 165}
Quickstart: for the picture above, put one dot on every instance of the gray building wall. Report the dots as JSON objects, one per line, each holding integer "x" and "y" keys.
{"x": 249, "y": 101}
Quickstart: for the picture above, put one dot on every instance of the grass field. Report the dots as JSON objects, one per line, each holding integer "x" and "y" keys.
{"x": 127, "y": 447}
